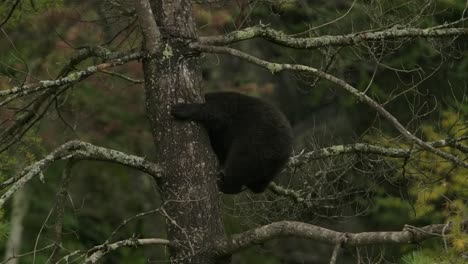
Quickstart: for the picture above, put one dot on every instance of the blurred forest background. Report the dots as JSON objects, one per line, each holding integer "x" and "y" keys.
{"x": 423, "y": 82}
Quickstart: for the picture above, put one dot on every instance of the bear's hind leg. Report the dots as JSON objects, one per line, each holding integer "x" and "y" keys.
{"x": 242, "y": 168}
{"x": 227, "y": 186}
{"x": 265, "y": 171}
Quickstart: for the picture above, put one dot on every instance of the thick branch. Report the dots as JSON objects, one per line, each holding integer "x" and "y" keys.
{"x": 78, "y": 150}
{"x": 302, "y": 230}
{"x": 370, "y": 149}
{"x": 282, "y": 39}
{"x": 279, "y": 67}
{"x": 148, "y": 26}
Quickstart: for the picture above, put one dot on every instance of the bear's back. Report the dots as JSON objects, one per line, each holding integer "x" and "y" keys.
{"x": 253, "y": 123}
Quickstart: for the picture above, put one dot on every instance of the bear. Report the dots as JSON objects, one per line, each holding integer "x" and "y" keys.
{"x": 251, "y": 138}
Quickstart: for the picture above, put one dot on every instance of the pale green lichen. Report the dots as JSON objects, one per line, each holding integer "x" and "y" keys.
{"x": 274, "y": 67}
{"x": 337, "y": 149}
{"x": 74, "y": 76}
{"x": 246, "y": 34}
{"x": 167, "y": 53}
{"x": 46, "y": 83}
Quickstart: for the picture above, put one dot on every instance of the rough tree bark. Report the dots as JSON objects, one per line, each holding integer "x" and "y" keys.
{"x": 189, "y": 182}
{"x": 185, "y": 171}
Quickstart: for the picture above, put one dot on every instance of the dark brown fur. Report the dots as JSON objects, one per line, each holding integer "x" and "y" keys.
{"x": 251, "y": 137}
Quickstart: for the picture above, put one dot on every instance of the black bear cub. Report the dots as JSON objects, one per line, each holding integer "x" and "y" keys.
{"x": 252, "y": 138}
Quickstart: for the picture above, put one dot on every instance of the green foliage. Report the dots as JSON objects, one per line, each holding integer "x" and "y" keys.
{"x": 26, "y": 10}
{"x": 4, "y": 227}
{"x": 437, "y": 189}
{"x": 392, "y": 211}
{"x": 444, "y": 185}
{"x": 419, "y": 257}
{"x": 431, "y": 256}
{"x": 281, "y": 6}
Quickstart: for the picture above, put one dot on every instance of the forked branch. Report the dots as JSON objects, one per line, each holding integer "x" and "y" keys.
{"x": 77, "y": 150}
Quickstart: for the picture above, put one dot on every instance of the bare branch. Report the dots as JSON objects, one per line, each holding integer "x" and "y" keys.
{"x": 302, "y": 230}
{"x": 60, "y": 210}
{"x": 97, "y": 252}
{"x": 279, "y": 67}
{"x": 8, "y": 260}
{"x": 124, "y": 77}
{"x": 126, "y": 221}
{"x": 336, "y": 251}
{"x": 31, "y": 116}
{"x": 280, "y": 38}
{"x": 78, "y": 150}
{"x": 70, "y": 78}
{"x": 148, "y": 26}
{"x": 87, "y": 52}
{"x": 102, "y": 250}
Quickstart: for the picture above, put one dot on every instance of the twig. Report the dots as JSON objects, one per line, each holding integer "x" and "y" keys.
{"x": 335, "y": 253}
{"x": 26, "y": 254}
{"x": 126, "y": 221}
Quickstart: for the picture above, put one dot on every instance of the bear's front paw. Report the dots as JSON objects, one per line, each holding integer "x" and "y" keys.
{"x": 183, "y": 111}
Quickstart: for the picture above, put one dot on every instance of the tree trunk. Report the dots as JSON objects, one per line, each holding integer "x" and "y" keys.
{"x": 20, "y": 207}
{"x": 188, "y": 185}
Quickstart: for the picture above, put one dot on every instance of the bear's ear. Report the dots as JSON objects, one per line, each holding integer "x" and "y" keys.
{"x": 184, "y": 111}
